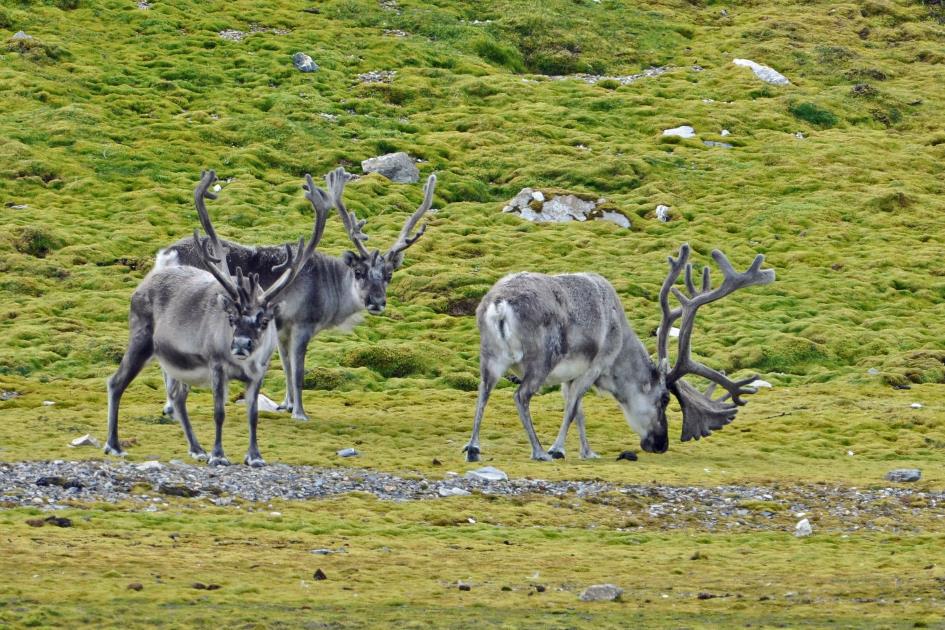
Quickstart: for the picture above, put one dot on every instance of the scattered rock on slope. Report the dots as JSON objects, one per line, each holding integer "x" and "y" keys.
{"x": 304, "y": 63}
{"x": 766, "y": 74}
{"x": 397, "y": 167}
{"x": 901, "y": 475}
{"x": 534, "y": 205}
{"x": 601, "y": 593}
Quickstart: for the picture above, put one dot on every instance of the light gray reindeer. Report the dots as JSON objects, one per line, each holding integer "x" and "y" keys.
{"x": 330, "y": 292}
{"x": 202, "y": 336}
{"x": 571, "y": 329}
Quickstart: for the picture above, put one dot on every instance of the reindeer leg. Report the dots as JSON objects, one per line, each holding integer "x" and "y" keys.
{"x": 300, "y": 339}
{"x": 489, "y": 374}
{"x": 531, "y": 383}
{"x": 178, "y": 391}
{"x": 557, "y": 449}
{"x": 286, "y": 358}
{"x": 253, "y": 458}
{"x": 218, "y": 384}
{"x": 573, "y": 412}
{"x": 140, "y": 350}
{"x": 168, "y": 384}
{"x": 586, "y": 452}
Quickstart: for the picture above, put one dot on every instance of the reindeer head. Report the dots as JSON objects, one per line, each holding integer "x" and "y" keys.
{"x": 645, "y": 408}
{"x": 701, "y": 412}
{"x": 373, "y": 270}
{"x": 249, "y": 308}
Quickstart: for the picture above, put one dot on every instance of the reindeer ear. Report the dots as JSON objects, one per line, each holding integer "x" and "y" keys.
{"x": 350, "y": 258}
{"x": 396, "y": 259}
{"x": 701, "y": 414}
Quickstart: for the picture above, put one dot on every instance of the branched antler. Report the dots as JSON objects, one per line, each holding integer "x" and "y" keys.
{"x": 210, "y": 249}
{"x": 336, "y": 186}
{"x": 701, "y": 413}
{"x": 405, "y": 240}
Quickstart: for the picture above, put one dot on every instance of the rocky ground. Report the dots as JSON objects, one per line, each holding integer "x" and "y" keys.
{"x": 53, "y": 484}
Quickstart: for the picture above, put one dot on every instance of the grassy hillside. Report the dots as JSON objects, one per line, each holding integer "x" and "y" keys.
{"x": 110, "y": 111}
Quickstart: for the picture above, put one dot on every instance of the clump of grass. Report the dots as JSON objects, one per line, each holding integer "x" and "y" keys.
{"x": 35, "y": 50}
{"x": 814, "y": 114}
{"x": 462, "y": 381}
{"x": 499, "y": 54}
{"x": 34, "y": 241}
{"x": 391, "y": 360}
{"x": 327, "y": 378}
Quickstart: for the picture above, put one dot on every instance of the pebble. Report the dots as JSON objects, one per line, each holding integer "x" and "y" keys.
{"x": 85, "y": 440}
{"x": 149, "y": 465}
{"x": 487, "y": 473}
{"x": 903, "y": 475}
{"x": 304, "y": 63}
{"x": 319, "y": 575}
{"x": 763, "y": 72}
{"x": 377, "y": 76}
{"x": 714, "y": 143}
{"x": 803, "y": 528}
{"x": 662, "y": 214}
{"x": 683, "y": 131}
{"x": 916, "y": 405}
{"x": 452, "y": 492}
{"x": 630, "y": 456}
{"x": 348, "y": 452}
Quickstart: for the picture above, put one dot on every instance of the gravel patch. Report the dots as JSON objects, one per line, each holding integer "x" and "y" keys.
{"x": 50, "y": 483}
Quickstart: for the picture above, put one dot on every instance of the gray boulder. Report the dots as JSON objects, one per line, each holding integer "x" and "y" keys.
{"x": 601, "y": 593}
{"x": 533, "y": 205}
{"x": 397, "y": 167}
{"x": 766, "y": 74}
{"x": 902, "y": 475}
{"x": 304, "y": 63}
{"x": 487, "y": 473}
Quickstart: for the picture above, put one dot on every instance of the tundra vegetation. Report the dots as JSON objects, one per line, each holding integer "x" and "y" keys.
{"x": 835, "y": 178}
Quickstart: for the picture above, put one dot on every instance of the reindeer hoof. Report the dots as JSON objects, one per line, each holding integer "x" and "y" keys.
{"x": 218, "y": 460}
{"x": 168, "y": 410}
{"x": 541, "y": 456}
{"x": 301, "y": 417}
{"x": 199, "y": 455}
{"x": 590, "y": 455}
{"x": 472, "y": 453}
{"x": 255, "y": 462}
{"x": 114, "y": 450}
{"x": 556, "y": 454}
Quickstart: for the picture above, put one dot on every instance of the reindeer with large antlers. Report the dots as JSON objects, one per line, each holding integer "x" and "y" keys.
{"x": 202, "y": 336}
{"x": 330, "y": 292}
{"x": 571, "y": 329}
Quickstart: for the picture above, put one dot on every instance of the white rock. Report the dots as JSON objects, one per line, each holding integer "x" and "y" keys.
{"x": 347, "y": 452}
{"x": 304, "y": 63}
{"x": 397, "y": 167}
{"x": 766, "y": 74}
{"x": 803, "y": 528}
{"x": 471, "y": 520}
{"x": 263, "y": 403}
{"x": 538, "y": 196}
{"x": 725, "y": 132}
{"x": 850, "y": 453}
{"x": 20, "y": 36}
{"x": 799, "y": 135}
{"x": 760, "y": 383}
{"x": 601, "y": 593}
{"x": 276, "y": 514}
{"x": 85, "y": 440}
{"x": 616, "y": 217}
{"x": 452, "y": 492}
{"x": 217, "y": 188}
{"x": 872, "y": 371}
{"x": 916, "y": 405}
{"x": 49, "y": 403}
{"x": 673, "y": 331}
{"x": 487, "y": 473}
{"x": 662, "y": 213}
{"x": 685, "y": 131}
{"x": 149, "y": 465}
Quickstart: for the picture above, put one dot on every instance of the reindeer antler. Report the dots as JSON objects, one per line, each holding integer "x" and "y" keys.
{"x": 214, "y": 260}
{"x": 405, "y": 240}
{"x": 336, "y": 181}
{"x": 293, "y": 263}
{"x": 701, "y": 413}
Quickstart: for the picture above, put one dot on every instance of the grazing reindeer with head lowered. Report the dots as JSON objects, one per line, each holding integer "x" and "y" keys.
{"x": 201, "y": 335}
{"x": 571, "y": 329}
{"x": 330, "y": 292}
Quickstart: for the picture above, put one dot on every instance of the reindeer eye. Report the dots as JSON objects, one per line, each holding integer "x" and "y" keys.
{"x": 358, "y": 274}
{"x": 664, "y": 399}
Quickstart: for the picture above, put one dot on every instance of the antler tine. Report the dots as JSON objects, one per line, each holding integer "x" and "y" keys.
{"x": 293, "y": 264}
{"x": 669, "y": 315}
{"x": 212, "y": 263}
{"x": 336, "y": 186}
{"x": 404, "y": 240}
{"x": 732, "y": 282}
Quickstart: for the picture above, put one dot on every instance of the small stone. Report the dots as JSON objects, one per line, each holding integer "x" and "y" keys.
{"x": 616, "y": 217}
{"x": 48, "y": 403}
{"x": 463, "y": 586}
{"x": 9, "y": 395}
{"x": 436, "y": 462}
{"x": 135, "y": 586}
{"x": 760, "y": 383}
{"x": 872, "y": 371}
{"x": 85, "y": 440}
{"x": 601, "y": 593}
{"x": 377, "y": 76}
{"x": 36, "y": 522}
{"x": 684, "y": 131}
{"x": 538, "y": 196}
{"x": 487, "y": 473}
{"x": 304, "y": 63}
{"x": 348, "y": 452}
{"x": 200, "y": 586}
{"x": 319, "y": 575}
{"x": 176, "y": 490}
{"x": 540, "y": 588}
{"x": 630, "y": 456}
{"x": 20, "y": 36}
{"x": 506, "y": 588}
{"x": 706, "y": 596}
{"x": 263, "y": 403}
{"x": 452, "y": 492}
{"x": 799, "y": 135}
{"x": 662, "y": 213}
{"x": 714, "y": 143}
{"x": 904, "y": 475}
{"x": 232, "y": 35}
{"x": 58, "y": 521}
{"x": 916, "y": 405}
{"x": 725, "y": 132}
{"x": 149, "y": 465}
{"x": 803, "y": 528}
{"x": 213, "y": 587}
{"x": 397, "y": 167}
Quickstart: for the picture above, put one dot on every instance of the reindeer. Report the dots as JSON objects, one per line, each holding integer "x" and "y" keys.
{"x": 571, "y": 329}
{"x": 202, "y": 336}
{"x": 330, "y": 292}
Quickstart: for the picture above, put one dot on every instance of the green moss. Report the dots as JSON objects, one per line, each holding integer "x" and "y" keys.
{"x": 34, "y": 241}
{"x": 814, "y": 114}
{"x": 389, "y": 359}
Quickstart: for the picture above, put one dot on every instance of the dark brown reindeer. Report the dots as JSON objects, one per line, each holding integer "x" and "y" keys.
{"x": 571, "y": 329}
{"x": 202, "y": 336}
{"x": 330, "y": 292}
